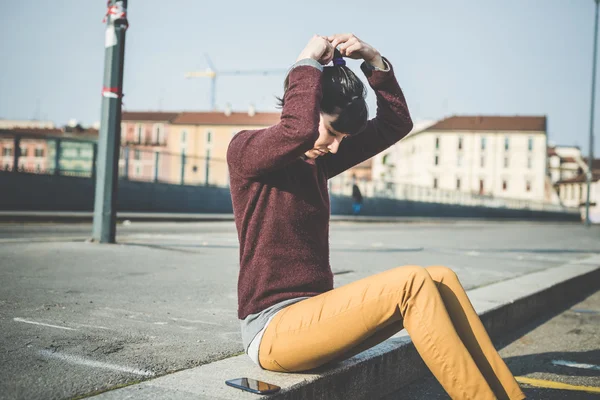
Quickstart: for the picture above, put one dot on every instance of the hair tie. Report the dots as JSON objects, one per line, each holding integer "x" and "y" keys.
{"x": 337, "y": 58}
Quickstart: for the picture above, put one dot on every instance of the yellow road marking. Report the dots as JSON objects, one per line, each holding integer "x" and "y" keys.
{"x": 556, "y": 385}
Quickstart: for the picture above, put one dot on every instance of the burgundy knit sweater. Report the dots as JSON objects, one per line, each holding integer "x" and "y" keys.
{"x": 280, "y": 200}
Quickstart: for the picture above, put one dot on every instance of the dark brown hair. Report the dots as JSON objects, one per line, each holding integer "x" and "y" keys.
{"x": 343, "y": 95}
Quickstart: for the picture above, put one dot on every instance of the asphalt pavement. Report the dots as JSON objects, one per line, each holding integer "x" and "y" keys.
{"x": 79, "y": 318}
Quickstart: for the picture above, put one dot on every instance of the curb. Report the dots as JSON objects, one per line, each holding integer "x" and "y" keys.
{"x": 386, "y": 368}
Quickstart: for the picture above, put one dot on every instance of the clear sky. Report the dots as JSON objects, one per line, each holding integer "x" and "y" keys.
{"x": 463, "y": 57}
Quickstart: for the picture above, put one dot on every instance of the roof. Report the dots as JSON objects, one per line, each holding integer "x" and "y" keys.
{"x": 595, "y": 163}
{"x": 220, "y": 118}
{"x": 491, "y": 123}
{"x": 150, "y": 116}
{"x": 580, "y": 179}
{"x": 84, "y": 134}
{"x": 37, "y": 131}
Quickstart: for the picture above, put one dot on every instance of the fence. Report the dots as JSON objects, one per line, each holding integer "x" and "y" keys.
{"x": 342, "y": 185}
{"x": 42, "y": 154}
{"x": 77, "y": 157}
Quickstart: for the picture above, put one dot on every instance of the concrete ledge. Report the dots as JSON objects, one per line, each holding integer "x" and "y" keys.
{"x": 386, "y": 368}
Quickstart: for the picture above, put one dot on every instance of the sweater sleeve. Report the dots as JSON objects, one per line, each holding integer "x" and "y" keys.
{"x": 391, "y": 123}
{"x": 252, "y": 153}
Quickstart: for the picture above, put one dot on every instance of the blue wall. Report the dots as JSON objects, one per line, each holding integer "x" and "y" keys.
{"x": 32, "y": 192}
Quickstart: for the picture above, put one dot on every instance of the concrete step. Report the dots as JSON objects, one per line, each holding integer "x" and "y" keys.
{"x": 386, "y": 368}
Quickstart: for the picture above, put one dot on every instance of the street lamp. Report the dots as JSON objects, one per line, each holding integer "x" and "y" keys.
{"x": 591, "y": 152}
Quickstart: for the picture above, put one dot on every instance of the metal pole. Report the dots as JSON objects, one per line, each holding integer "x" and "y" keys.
{"x": 94, "y": 159}
{"x": 126, "y": 162}
{"x": 16, "y": 153}
{"x": 182, "y": 168}
{"x": 206, "y": 168}
{"x": 57, "y": 157}
{"x": 156, "y": 167}
{"x": 591, "y": 150}
{"x": 105, "y": 213}
{"x": 213, "y": 90}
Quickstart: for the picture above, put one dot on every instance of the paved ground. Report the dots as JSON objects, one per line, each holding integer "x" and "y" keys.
{"x": 77, "y": 318}
{"x": 564, "y": 350}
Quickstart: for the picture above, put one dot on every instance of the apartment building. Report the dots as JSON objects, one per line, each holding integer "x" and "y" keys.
{"x": 190, "y": 147}
{"x": 501, "y": 156}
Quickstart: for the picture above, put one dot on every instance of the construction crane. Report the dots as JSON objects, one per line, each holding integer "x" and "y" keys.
{"x": 212, "y": 73}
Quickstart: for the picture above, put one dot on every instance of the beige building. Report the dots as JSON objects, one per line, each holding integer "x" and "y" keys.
{"x": 204, "y": 138}
{"x": 144, "y": 136}
{"x": 25, "y": 123}
{"x": 570, "y": 169}
{"x": 499, "y": 156}
{"x": 191, "y": 147}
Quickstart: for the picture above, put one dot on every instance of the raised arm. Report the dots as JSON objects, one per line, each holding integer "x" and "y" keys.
{"x": 254, "y": 153}
{"x": 392, "y": 121}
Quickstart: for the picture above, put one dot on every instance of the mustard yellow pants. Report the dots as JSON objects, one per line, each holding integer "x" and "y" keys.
{"x": 429, "y": 302}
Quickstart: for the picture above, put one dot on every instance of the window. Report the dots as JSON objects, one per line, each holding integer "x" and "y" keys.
{"x": 458, "y": 184}
{"x": 460, "y": 143}
{"x": 157, "y": 133}
{"x": 528, "y": 186}
{"x": 437, "y": 142}
{"x": 138, "y": 133}
{"x": 38, "y": 168}
{"x": 504, "y": 185}
{"x": 482, "y": 161}
{"x": 136, "y": 155}
{"x": 506, "y": 143}
{"x": 529, "y": 162}
{"x": 39, "y": 152}
{"x": 483, "y": 140}
{"x": 161, "y": 134}
{"x": 505, "y": 162}
{"x": 437, "y": 160}
{"x": 459, "y": 160}
{"x": 183, "y": 137}
{"x": 7, "y": 152}
{"x": 481, "y": 186}
{"x": 385, "y": 159}
{"x": 23, "y": 152}
{"x": 435, "y": 183}
{"x": 138, "y": 170}
{"x": 530, "y": 143}
{"x": 208, "y": 137}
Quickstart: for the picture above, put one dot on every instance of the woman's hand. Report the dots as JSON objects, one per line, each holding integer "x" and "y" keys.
{"x": 352, "y": 47}
{"x": 319, "y": 49}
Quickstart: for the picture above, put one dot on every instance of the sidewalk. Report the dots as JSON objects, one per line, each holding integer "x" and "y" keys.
{"x": 157, "y": 311}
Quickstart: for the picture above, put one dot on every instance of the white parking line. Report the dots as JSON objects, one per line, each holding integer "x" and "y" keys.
{"x": 96, "y": 364}
{"x": 42, "y": 324}
{"x": 575, "y": 365}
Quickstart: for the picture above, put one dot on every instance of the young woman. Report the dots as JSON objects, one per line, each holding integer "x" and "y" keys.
{"x": 292, "y": 318}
